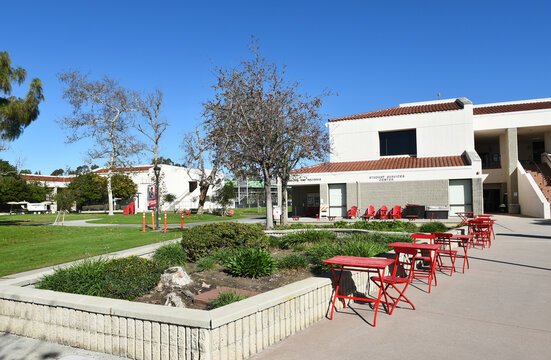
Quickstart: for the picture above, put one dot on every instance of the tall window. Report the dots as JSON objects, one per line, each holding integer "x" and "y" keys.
{"x": 401, "y": 142}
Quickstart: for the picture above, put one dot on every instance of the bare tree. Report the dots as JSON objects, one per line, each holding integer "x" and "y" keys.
{"x": 196, "y": 152}
{"x": 153, "y": 128}
{"x": 252, "y": 110}
{"x": 304, "y": 138}
{"x": 103, "y": 111}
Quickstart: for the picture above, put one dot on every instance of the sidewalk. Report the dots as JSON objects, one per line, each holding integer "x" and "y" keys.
{"x": 499, "y": 309}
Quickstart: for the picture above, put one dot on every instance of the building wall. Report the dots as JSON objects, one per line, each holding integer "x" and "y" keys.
{"x": 438, "y": 134}
{"x": 517, "y": 119}
{"x": 427, "y": 192}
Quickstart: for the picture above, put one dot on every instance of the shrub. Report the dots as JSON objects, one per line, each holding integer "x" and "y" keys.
{"x": 84, "y": 278}
{"x": 340, "y": 224}
{"x": 171, "y": 255}
{"x": 203, "y": 240}
{"x": 292, "y": 261}
{"x": 310, "y": 236}
{"x": 226, "y": 298}
{"x": 131, "y": 277}
{"x": 250, "y": 263}
{"x": 398, "y": 226}
{"x": 364, "y": 245}
{"x": 205, "y": 263}
{"x": 433, "y": 227}
{"x": 294, "y": 226}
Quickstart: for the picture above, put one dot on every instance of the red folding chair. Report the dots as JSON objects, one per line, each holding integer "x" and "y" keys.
{"x": 421, "y": 270}
{"x": 405, "y": 262}
{"x": 481, "y": 230}
{"x": 445, "y": 252}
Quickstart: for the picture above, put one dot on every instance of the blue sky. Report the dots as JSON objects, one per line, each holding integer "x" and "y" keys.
{"x": 373, "y": 54}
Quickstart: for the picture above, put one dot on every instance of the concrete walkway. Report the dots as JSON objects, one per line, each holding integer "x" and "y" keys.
{"x": 499, "y": 309}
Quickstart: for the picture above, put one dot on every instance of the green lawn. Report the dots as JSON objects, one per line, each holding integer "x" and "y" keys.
{"x": 30, "y": 247}
{"x": 137, "y": 219}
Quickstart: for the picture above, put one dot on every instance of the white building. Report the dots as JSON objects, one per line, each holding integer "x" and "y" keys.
{"x": 445, "y": 153}
{"x": 178, "y": 181}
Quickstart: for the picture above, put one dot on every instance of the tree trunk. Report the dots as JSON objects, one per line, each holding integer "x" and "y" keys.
{"x": 284, "y": 200}
{"x": 109, "y": 193}
{"x": 268, "y": 194}
{"x": 202, "y": 196}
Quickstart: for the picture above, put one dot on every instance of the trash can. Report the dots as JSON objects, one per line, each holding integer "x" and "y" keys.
{"x": 414, "y": 210}
{"x": 437, "y": 212}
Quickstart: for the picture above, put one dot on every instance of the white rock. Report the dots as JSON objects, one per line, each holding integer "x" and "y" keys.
{"x": 175, "y": 276}
{"x": 172, "y": 299}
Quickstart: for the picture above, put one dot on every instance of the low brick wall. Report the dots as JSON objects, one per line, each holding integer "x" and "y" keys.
{"x": 146, "y": 331}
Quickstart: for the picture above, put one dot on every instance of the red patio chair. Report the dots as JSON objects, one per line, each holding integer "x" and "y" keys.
{"x": 369, "y": 213}
{"x": 382, "y": 213}
{"x": 421, "y": 270}
{"x": 352, "y": 213}
{"x": 405, "y": 261}
{"x": 445, "y": 252}
{"x": 396, "y": 212}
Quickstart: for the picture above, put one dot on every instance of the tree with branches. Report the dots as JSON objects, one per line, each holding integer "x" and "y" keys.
{"x": 104, "y": 111}
{"x": 153, "y": 127}
{"x": 16, "y": 113}
{"x": 253, "y": 110}
{"x": 196, "y": 152}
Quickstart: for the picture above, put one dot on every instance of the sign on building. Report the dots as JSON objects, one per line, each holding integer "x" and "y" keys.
{"x": 151, "y": 197}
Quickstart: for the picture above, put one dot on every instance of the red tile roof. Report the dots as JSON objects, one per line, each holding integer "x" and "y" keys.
{"x": 385, "y": 164}
{"x": 126, "y": 169}
{"x": 47, "y": 178}
{"x": 482, "y": 110}
{"x": 403, "y": 110}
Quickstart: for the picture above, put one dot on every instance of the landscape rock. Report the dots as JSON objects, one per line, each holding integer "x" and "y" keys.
{"x": 174, "y": 277}
{"x": 188, "y": 293}
{"x": 172, "y": 299}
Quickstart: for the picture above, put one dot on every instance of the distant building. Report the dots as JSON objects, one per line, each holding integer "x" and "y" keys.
{"x": 446, "y": 153}
{"x": 178, "y": 181}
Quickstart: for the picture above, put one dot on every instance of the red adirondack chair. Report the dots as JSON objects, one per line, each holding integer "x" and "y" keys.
{"x": 352, "y": 213}
{"x": 369, "y": 213}
{"x": 382, "y": 213}
{"x": 396, "y": 212}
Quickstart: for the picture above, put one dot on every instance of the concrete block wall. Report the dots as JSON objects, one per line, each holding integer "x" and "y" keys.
{"x": 427, "y": 192}
{"x": 146, "y": 331}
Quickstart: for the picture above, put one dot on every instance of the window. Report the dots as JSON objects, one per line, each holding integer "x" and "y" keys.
{"x": 402, "y": 142}
{"x": 192, "y": 186}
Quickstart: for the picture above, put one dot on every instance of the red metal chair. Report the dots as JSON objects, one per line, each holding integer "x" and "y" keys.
{"x": 481, "y": 230}
{"x": 425, "y": 266}
{"x": 352, "y": 213}
{"x": 369, "y": 213}
{"x": 396, "y": 212}
{"x": 382, "y": 213}
{"x": 405, "y": 261}
{"x": 445, "y": 252}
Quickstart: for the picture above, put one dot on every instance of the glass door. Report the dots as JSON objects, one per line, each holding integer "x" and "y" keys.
{"x": 337, "y": 200}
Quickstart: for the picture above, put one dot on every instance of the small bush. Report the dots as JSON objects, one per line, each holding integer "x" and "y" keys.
{"x": 205, "y": 263}
{"x": 222, "y": 256}
{"x": 310, "y": 236}
{"x": 250, "y": 263}
{"x": 397, "y": 226}
{"x": 171, "y": 255}
{"x": 340, "y": 224}
{"x": 84, "y": 278}
{"x": 292, "y": 261}
{"x": 433, "y": 227}
{"x": 131, "y": 277}
{"x": 203, "y": 240}
{"x": 226, "y": 298}
{"x": 364, "y": 245}
{"x": 294, "y": 226}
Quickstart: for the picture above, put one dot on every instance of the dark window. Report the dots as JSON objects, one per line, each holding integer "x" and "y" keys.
{"x": 192, "y": 186}
{"x": 402, "y": 142}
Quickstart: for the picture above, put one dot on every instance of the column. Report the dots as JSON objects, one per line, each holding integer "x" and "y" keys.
{"x": 510, "y": 166}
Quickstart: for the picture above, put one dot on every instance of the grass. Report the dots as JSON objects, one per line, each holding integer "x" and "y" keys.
{"x": 25, "y": 248}
{"x": 136, "y": 219}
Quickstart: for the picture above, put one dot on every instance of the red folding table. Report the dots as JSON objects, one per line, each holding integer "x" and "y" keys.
{"x": 354, "y": 263}
{"x": 464, "y": 216}
{"x": 465, "y": 240}
{"x": 429, "y": 274}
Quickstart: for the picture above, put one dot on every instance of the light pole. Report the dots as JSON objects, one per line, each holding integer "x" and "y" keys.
{"x": 157, "y": 171}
